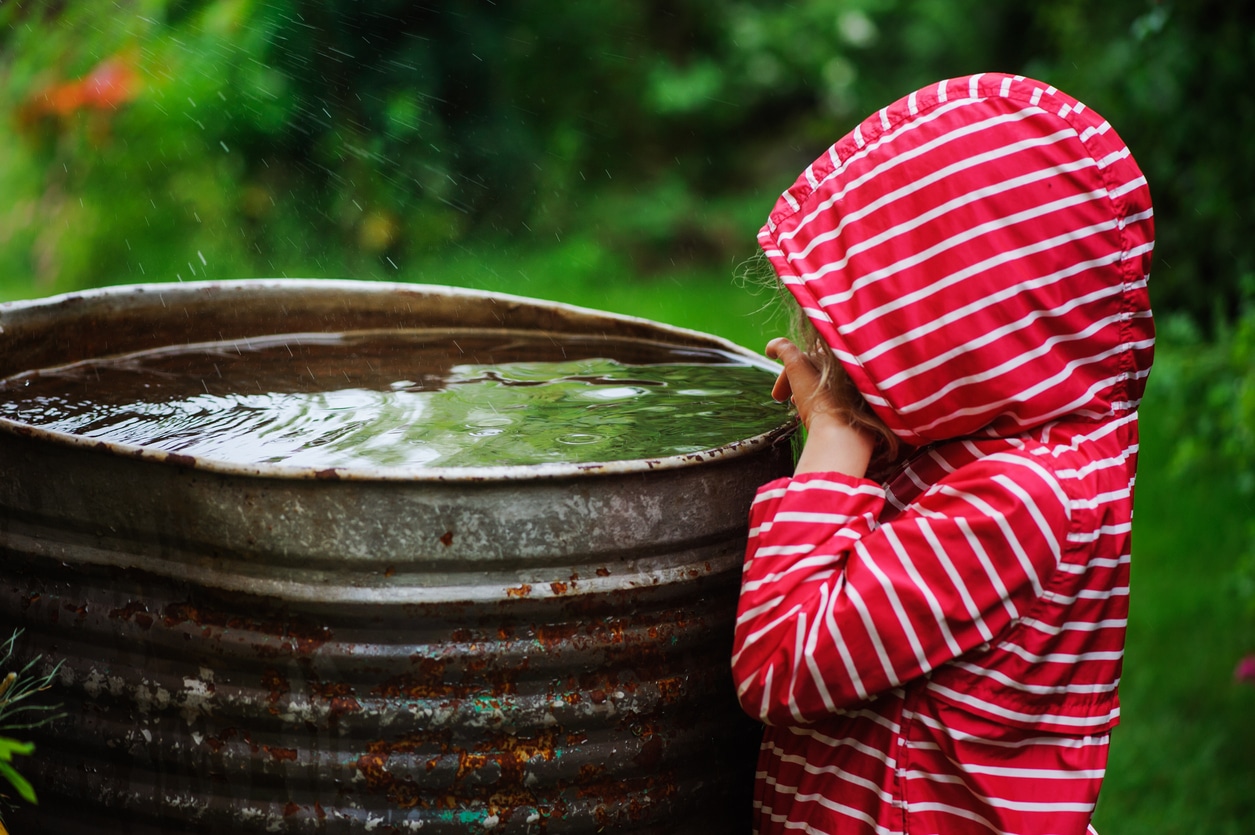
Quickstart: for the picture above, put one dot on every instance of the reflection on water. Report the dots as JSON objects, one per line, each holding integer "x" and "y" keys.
{"x": 401, "y": 400}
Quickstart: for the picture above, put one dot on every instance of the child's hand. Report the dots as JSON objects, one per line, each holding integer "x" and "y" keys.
{"x": 799, "y": 381}
{"x": 832, "y": 444}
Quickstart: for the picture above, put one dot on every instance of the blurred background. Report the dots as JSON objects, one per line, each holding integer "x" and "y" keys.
{"x": 622, "y": 156}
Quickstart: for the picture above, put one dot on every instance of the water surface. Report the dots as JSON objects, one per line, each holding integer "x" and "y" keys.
{"x": 405, "y": 399}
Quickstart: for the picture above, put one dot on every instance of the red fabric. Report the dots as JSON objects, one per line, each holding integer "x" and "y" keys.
{"x": 940, "y": 653}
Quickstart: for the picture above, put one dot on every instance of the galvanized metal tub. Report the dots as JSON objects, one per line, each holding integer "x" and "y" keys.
{"x": 507, "y": 649}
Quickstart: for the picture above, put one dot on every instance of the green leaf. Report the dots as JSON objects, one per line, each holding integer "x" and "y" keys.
{"x": 9, "y": 747}
{"x": 19, "y": 783}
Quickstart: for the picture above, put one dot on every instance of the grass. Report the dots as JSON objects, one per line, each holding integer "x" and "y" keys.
{"x": 1183, "y": 759}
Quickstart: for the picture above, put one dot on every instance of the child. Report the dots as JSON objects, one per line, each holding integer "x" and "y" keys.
{"x": 936, "y": 649}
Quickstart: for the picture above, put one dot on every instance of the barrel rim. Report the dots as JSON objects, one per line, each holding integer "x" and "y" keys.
{"x": 501, "y": 473}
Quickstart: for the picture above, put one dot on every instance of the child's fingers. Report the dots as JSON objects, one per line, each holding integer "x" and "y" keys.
{"x": 782, "y": 391}
{"x": 799, "y": 372}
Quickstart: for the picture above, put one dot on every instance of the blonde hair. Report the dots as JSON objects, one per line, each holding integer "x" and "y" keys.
{"x": 757, "y": 274}
{"x": 852, "y": 407}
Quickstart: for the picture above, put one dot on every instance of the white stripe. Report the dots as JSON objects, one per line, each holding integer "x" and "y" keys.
{"x": 1075, "y": 625}
{"x": 834, "y": 633}
{"x": 922, "y": 183}
{"x": 1113, "y": 462}
{"x": 812, "y": 518}
{"x": 860, "y": 488}
{"x": 920, "y": 219}
{"x": 994, "y": 335}
{"x": 1015, "y": 805}
{"x": 810, "y": 732}
{"x": 1100, "y": 129}
{"x": 1074, "y": 406}
{"x": 925, "y": 589}
{"x": 1086, "y": 537}
{"x": 1003, "y": 802}
{"x": 911, "y": 104}
{"x": 959, "y": 812}
{"x": 1113, "y": 157}
{"x": 1035, "y": 773}
{"x": 755, "y": 611}
{"x": 869, "y": 624}
{"x": 895, "y": 603}
{"x": 1047, "y": 532}
{"x": 829, "y": 770}
{"x": 1132, "y": 185}
{"x": 939, "y": 552}
{"x": 995, "y": 579}
{"x": 799, "y": 643}
{"x": 1004, "y": 526}
{"x": 832, "y": 805}
{"x": 965, "y": 737}
{"x": 1037, "y": 689}
{"x": 764, "y": 703}
{"x": 753, "y": 637}
{"x": 1006, "y": 87}
{"x": 1066, "y": 239}
{"x": 1015, "y": 715}
{"x": 1096, "y": 562}
{"x": 1060, "y": 657}
{"x": 973, "y": 86}
{"x": 1046, "y": 347}
{"x": 783, "y": 550}
{"x": 1087, "y": 594}
{"x": 941, "y": 91}
{"x": 803, "y": 566}
{"x": 812, "y": 643}
{"x": 898, "y": 159}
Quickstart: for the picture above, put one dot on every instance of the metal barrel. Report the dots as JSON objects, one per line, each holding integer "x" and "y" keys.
{"x": 529, "y": 649}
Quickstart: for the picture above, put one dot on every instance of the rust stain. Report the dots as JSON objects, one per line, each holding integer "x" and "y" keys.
{"x": 522, "y": 591}
{"x": 558, "y": 588}
{"x": 279, "y": 753}
{"x": 299, "y": 638}
{"x": 447, "y": 539}
{"x": 134, "y": 610}
{"x": 216, "y": 743}
{"x": 278, "y": 688}
{"x": 339, "y": 697}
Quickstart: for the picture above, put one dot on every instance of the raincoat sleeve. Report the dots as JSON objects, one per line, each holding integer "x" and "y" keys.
{"x": 836, "y": 608}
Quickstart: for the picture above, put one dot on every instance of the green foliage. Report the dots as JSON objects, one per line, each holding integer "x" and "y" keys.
{"x": 8, "y": 748}
{"x": 283, "y": 137}
{"x": 1205, "y": 390}
{"x": 19, "y": 711}
{"x": 1180, "y": 759}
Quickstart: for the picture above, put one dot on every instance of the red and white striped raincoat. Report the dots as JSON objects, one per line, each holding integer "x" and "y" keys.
{"x": 940, "y": 653}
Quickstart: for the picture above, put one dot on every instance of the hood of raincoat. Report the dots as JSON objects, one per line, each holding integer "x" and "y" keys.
{"x": 976, "y": 255}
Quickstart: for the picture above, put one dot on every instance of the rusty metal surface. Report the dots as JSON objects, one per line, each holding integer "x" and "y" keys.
{"x": 519, "y": 650}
